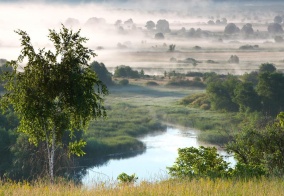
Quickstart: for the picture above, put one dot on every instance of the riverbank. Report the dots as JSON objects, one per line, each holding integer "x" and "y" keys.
{"x": 136, "y": 110}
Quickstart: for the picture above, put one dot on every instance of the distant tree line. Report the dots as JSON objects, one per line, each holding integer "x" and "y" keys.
{"x": 261, "y": 91}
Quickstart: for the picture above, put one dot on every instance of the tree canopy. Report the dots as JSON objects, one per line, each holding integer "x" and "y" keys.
{"x": 55, "y": 92}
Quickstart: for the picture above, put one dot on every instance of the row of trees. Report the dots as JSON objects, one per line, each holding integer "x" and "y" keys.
{"x": 257, "y": 91}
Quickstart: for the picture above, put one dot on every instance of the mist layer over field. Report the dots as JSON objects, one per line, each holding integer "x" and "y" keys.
{"x": 117, "y": 32}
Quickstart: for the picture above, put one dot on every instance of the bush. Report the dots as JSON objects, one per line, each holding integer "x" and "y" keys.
{"x": 205, "y": 162}
{"x": 186, "y": 83}
{"x": 126, "y": 72}
{"x": 124, "y": 82}
{"x": 197, "y": 100}
{"x": 151, "y": 83}
{"x": 199, "y": 162}
{"x": 128, "y": 179}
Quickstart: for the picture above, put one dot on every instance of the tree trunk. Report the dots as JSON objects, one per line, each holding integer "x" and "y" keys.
{"x": 50, "y": 154}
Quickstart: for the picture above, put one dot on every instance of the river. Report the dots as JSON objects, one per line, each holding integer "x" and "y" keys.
{"x": 150, "y": 166}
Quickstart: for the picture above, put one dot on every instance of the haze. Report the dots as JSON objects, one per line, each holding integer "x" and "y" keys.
{"x": 135, "y": 45}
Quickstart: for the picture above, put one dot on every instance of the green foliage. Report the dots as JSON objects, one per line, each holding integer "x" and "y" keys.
{"x": 128, "y": 179}
{"x": 124, "y": 82}
{"x": 196, "y": 100}
{"x": 52, "y": 96}
{"x": 267, "y": 67}
{"x": 194, "y": 74}
{"x": 205, "y": 162}
{"x": 185, "y": 83}
{"x": 245, "y": 171}
{"x": 246, "y": 97}
{"x": 211, "y": 136}
{"x": 263, "y": 91}
{"x": 271, "y": 90}
{"x": 261, "y": 147}
{"x": 152, "y": 83}
{"x": 199, "y": 163}
{"x": 103, "y": 74}
{"x": 221, "y": 93}
{"x": 125, "y": 123}
{"x": 250, "y": 77}
{"x": 125, "y": 72}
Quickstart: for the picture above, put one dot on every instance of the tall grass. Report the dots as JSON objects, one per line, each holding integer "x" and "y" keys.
{"x": 202, "y": 187}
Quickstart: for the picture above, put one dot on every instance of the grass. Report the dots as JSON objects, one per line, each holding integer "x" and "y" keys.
{"x": 218, "y": 187}
{"x": 135, "y": 110}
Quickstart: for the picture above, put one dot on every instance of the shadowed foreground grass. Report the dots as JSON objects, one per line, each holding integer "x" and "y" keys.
{"x": 170, "y": 187}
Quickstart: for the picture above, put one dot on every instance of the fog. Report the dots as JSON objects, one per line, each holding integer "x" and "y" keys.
{"x": 131, "y": 43}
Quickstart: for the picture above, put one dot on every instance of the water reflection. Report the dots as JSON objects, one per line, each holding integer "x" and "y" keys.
{"x": 161, "y": 153}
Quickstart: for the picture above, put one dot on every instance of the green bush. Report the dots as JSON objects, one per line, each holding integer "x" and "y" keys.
{"x": 124, "y": 82}
{"x": 205, "y": 162}
{"x": 128, "y": 179}
{"x": 151, "y": 83}
{"x": 199, "y": 162}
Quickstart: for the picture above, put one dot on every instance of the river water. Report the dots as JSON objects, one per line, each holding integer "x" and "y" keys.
{"x": 161, "y": 152}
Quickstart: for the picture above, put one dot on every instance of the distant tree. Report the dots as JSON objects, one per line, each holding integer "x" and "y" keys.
{"x": 126, "y": 72}
{"x": 231, "y": 28}
{"x": 142, "y": 73}
{"x": 95, "y": 21}
{"x": 55, "y": 93}
{"x": 278, "y": 39}
{"x": 247, "y": 29}
{"x": 270, "y": 88}
{"x": 150, "y": 25}
{"x": 251, "y": 77}
{"x": 163, "y": 26}
{"x": 124, "y": 82}
{"x": 267, "y": 67}
{"x": 278, "y": 19}
{"x": 103, "y": 74}
{"x": 224, "y": 21}
{"x": 218, "y": 22}
{"x": 211, "y": 22}
{"x": 191, "y": 32}
{"x": 221, "y": 93}
{"x": 246, "y": 97}
{"x": 118, "y": 23}
{"x": 275, "y": 28}
{"x": 159, "y": 36}
{"x": 172, "y": 47}
{"x": 234, "y": 59}
{"x": 129, "y": 23}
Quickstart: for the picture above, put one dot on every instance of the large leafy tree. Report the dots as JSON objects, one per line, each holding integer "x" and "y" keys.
{"x": 271, "y": 90}
{"x": 221, "y": 93}
{"x": 246, "y": 97}
{"x": 102, "y": 72}
{"x": 261, "y": 146}
{"x": 55, "y": 92}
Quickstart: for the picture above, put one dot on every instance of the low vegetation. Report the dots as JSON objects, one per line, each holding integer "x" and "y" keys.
{"x": 263, "y": 186}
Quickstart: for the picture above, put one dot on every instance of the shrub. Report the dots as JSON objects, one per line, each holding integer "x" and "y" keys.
{"x": 124, "y": 82}
{"x": 128, "y": 179}
{"x": 152, "y": 83}
{"x": 199, "y": 162}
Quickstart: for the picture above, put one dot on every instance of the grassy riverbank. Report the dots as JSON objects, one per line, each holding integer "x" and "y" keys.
{"x": 170, "y": 187}
{"x": 136, "y": 110}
